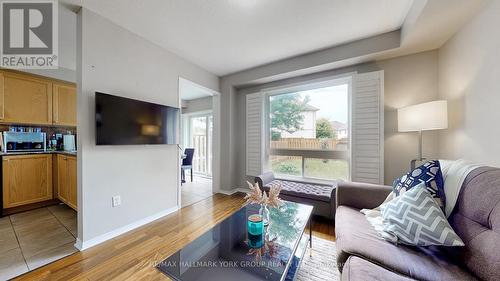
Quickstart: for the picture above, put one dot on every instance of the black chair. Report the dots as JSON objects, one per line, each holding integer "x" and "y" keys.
{"x": 187, "y": 164}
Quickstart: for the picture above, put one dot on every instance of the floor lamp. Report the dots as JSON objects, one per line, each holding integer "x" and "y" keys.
{"x": 423, "y": 117}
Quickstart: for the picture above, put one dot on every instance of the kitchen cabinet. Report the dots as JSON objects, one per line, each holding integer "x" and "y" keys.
{"x": 28, "y": 99}
{"x": 66, "y": 180}
{"x": 25, "y": 99}
{"x": 26, "y": 179}
{"x": 64, "y": 104}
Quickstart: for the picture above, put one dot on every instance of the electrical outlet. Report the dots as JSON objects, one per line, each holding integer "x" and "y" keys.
{"x": 117, "y": 200}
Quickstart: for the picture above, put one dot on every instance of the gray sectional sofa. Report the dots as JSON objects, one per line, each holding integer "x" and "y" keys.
{"x": 321, "y": 197}
{"x": 362, "y": 255}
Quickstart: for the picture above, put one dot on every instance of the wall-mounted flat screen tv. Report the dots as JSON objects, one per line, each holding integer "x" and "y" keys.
{"x": 124, "y": 121}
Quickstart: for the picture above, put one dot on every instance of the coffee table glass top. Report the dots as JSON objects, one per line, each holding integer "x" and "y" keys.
{"x": 222, "y": 253}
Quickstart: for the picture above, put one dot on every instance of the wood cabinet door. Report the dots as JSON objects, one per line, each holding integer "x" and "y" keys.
{"x": 64, "y": 104}
{"x": 72, "y": 185}
{"x": 62, "y": 178}
{"x": 25, "y": 99}
{"x": 26, "y": 179}
{"x": 2, "y": 95}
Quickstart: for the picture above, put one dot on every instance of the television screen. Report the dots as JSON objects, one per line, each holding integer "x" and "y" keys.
{"x": 122, "y": 121}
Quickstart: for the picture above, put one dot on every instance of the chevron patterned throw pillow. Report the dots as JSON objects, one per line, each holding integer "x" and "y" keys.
{"x": 414, "y": 218}
{"x": 428, "y": 173}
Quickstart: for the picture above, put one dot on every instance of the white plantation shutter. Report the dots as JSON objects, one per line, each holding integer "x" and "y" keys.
{"x": 368, "y": 128}
{"x": 255, "y": 134}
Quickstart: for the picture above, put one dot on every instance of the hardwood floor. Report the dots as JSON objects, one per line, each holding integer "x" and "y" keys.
{"x": 323, "y": 228}
{"x": 199, "y": 189}
{"x": 132, "y": 256}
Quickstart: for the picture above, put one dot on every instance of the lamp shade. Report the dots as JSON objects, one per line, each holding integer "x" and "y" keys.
{"x": 423, "y": 117}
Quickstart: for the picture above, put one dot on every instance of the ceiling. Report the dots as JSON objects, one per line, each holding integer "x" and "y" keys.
{"x": 190, "y": 91}
{"x": 428, "y": 25}
{"x": 228, "y": 36}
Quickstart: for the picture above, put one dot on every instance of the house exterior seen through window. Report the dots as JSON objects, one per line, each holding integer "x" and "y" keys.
{"x": 309, "y": 133}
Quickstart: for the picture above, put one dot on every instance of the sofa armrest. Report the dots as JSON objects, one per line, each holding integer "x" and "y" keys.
{"x": 264, "y": 179}
{"x": 361, "y": 195}
{"x": 333, "y": 202}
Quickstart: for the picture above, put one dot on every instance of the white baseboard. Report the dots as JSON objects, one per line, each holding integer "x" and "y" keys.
{"x": 233, "y": 191}
{"x": 226, "y": 192}
{"x": 83, "y": 245}
{"x": 78, "y": 244}
{"x": 243, "y": 189}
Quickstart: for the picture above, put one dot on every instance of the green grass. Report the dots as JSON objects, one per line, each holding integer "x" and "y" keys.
{"x": 285, "y": 166}
{"x": 314, "y": 168}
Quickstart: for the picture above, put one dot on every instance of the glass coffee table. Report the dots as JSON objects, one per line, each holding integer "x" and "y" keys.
{"x": 223, "y": 252}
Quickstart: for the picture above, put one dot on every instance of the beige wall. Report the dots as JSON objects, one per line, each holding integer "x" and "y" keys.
{"x": 465, "y": 71}
{"x": 316, "y": 63}
{"x": 469, "y": 78}
{"x": 409, "y": 80}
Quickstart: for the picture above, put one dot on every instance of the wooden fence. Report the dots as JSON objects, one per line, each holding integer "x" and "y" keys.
{"x": 302, "y": 143}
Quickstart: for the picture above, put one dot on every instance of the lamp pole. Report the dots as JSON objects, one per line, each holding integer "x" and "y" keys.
{"x": 420, "y": 158}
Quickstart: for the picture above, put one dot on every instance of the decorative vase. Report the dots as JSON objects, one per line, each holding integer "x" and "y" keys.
{"x": 255, "y": 231}
{"x": 264, "y": 212}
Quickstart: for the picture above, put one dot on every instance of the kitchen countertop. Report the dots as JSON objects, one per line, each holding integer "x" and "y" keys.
{"x": 70, "y": 153}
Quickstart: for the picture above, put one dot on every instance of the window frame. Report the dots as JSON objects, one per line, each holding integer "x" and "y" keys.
{"x": 324, "y": 82}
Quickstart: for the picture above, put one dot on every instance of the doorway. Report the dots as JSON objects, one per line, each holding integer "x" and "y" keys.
{"x": 198, "y": 128}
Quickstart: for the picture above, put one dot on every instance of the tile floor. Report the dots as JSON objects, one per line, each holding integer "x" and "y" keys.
{"x": 192, "y": 192}
{"x": 34, "y": 238}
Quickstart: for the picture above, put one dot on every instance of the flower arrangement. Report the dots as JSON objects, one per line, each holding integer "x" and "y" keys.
{"x": 271, "y": 198}
{"x": 256, "y": 196}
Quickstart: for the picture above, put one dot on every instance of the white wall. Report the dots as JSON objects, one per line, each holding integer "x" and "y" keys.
{"x": 469, "y": 72}
{"x": 197, "y": 105}
{"x": 114, "y": 60}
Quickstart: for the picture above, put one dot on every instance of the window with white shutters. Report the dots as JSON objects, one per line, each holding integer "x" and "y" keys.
{"x": 255, "y": 135}
{"x": 319, "y": 131}
{"x": 368, "y": 128}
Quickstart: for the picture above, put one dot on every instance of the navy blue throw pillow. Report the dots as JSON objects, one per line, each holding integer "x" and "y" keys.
{"x": 430, "y": 174}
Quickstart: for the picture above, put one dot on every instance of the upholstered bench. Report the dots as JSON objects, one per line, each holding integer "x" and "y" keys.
{"x": 321, "y": 197}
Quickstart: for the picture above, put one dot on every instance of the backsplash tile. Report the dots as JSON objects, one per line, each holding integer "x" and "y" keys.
{"x": 50, "y": 130}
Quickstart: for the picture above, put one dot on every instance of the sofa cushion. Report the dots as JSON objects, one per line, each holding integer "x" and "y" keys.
{"x": 428, "y": 173}
{"x": 357, "y": 268}
{"x": 355, "y": 236}
{"x": 476, "y": 219}
{"x": 307, "y": 190}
